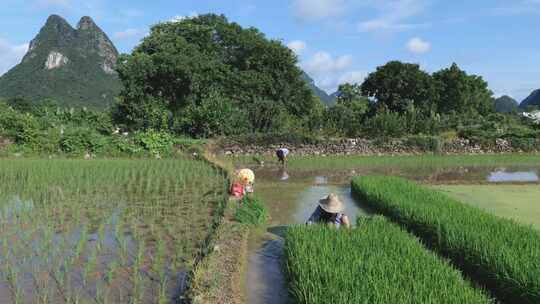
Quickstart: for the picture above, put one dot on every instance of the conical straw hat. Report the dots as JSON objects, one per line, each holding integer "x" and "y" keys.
{"x": 331, "y": 204}
{"x": 246, "y": 176}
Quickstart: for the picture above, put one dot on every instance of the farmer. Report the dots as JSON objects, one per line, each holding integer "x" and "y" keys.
{"x": 329, "y": 212}
{"x": 247, "y": 179}
{"x": 282, "y": 155}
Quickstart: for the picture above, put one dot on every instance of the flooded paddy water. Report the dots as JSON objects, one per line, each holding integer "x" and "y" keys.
{"x": 103, "y": 231}
{"x": 292, "y": 195}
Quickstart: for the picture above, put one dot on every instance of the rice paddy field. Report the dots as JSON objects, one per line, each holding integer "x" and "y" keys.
{"x": 476, "y": 216}
{"x": 103, "y": 231}
{"x": 499, "y": 253}
{"x": 376, "y": 263}
{"x": 331, "y": 162}
{"x": 518, "y": 202}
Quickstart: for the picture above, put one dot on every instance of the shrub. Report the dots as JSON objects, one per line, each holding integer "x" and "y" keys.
{"x": 386, "y": 124}
{"x": 498, "y": 253}
{"x": 251, "y": 211}
{"x": 76, "y": 140}
{"x": 155, "y": 142}
{"x": 376, "y": 263}
{"x": 212, "y": 116}
{"x": 525, "y": 144}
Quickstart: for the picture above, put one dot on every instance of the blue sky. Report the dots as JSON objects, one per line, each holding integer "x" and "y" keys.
{"x": 337, "y": 40}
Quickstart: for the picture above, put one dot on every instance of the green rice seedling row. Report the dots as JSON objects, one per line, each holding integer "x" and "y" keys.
{"x": 103, "y": 231}
{"x": 500, "y": 254}
{"x": 377, "y": 262}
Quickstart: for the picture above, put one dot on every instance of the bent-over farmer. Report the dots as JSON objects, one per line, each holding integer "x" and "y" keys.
{"x": 329, "y": 212}
{"x": 282, "y": 155}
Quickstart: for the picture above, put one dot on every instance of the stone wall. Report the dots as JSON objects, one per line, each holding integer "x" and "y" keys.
{"x": 371, "y": 147}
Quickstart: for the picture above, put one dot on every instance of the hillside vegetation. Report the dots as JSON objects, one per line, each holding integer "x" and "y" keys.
{"x": 74, "y": 67}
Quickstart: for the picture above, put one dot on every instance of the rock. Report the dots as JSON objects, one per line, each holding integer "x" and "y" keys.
{"x": 55, "y": 60}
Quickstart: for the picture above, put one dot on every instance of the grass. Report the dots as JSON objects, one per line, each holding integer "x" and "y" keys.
{"x": 116, "y": 231}
{"x": 425, "y": 161}
{"x": 498, "y": 253}
{"x": 519, "y": 202}
{"x": 376, "y": 263}
{"x": 251, "y": 211}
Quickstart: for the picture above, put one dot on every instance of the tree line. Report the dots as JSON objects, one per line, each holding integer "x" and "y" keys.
{"x": 205, "y": 77}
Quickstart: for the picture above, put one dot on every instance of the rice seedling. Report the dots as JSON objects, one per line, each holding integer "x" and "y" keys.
{"x": 377, "y": 262}
{"x": 251, "y": 211}
{"x": 94, "y": 224}
{"x": 496, "y": 252}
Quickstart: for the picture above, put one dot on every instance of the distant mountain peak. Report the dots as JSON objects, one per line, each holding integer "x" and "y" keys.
{"x": 86, "y": 23}
{"x": 321, "y": 94}
{"x": 505, "y": 104}
{"x": 72, "y": 65}
{"x": 56, "y": 20}
{"x": 532, "y": 100}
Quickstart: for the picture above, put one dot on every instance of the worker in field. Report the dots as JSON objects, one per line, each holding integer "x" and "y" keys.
{"x": 243, "y": 183}
{"x": 282, "y": 155}
{"x": 247, "y": 178}
{"x": 330, "y": 211}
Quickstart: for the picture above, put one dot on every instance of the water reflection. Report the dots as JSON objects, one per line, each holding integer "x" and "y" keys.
{"x": 455, "y": 175}
{"x": 522, "y": 176}
{"x": 283, "y": 175}
{"x": 321, "y": 180}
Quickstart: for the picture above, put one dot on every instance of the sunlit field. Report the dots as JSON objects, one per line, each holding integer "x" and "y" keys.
{"x": 103, "y": 231}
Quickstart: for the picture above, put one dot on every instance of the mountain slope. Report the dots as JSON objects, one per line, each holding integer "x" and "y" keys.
{"x": 323, "y": 96}
{"x": 72, "y": 66}
{"x": 505, "y": 104}
{"x": 532, "y": 101}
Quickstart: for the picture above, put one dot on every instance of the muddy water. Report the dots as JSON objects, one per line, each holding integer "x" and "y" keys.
{"x": 291, "y": 197}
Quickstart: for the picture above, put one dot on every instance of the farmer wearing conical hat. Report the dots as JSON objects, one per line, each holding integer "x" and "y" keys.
{"x": 247, "y": 179}
{"x": 330, "y": 211}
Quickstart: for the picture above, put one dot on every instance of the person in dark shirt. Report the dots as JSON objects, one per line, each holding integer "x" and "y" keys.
{"x": 330, "y": 211}
{"x": 282, "y": 155}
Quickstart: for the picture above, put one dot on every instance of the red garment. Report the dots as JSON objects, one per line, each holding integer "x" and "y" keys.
{"x": 237, "y": 189}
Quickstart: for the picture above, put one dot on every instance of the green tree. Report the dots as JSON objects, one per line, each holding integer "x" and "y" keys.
{"x": 462, "y": 93}
{"x": 179, "y": 63}
{"x": 395, "y": 85}
{"x": 349, "y": 112}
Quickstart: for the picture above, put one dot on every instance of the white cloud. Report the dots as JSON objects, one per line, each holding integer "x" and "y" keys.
{"x": 130, "y": 33}
{"x": 328, "y": 71}
{"x": 393, "y": 17}
{"x": 353, "y": 77}
{"x": 10, "y": 55}
{"x": 322, "y": 63}
{"x": 418, "y": 46}
{"x": 179, "y": 18}
{"x": 297, "y": 46}
{"x": 313, "y": 10}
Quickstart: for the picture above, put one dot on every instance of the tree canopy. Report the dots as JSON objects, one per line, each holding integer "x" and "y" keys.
{"x": 184, "y": 65}
{"x": 396, "y": 85}
{"x": 462, "y": 93}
